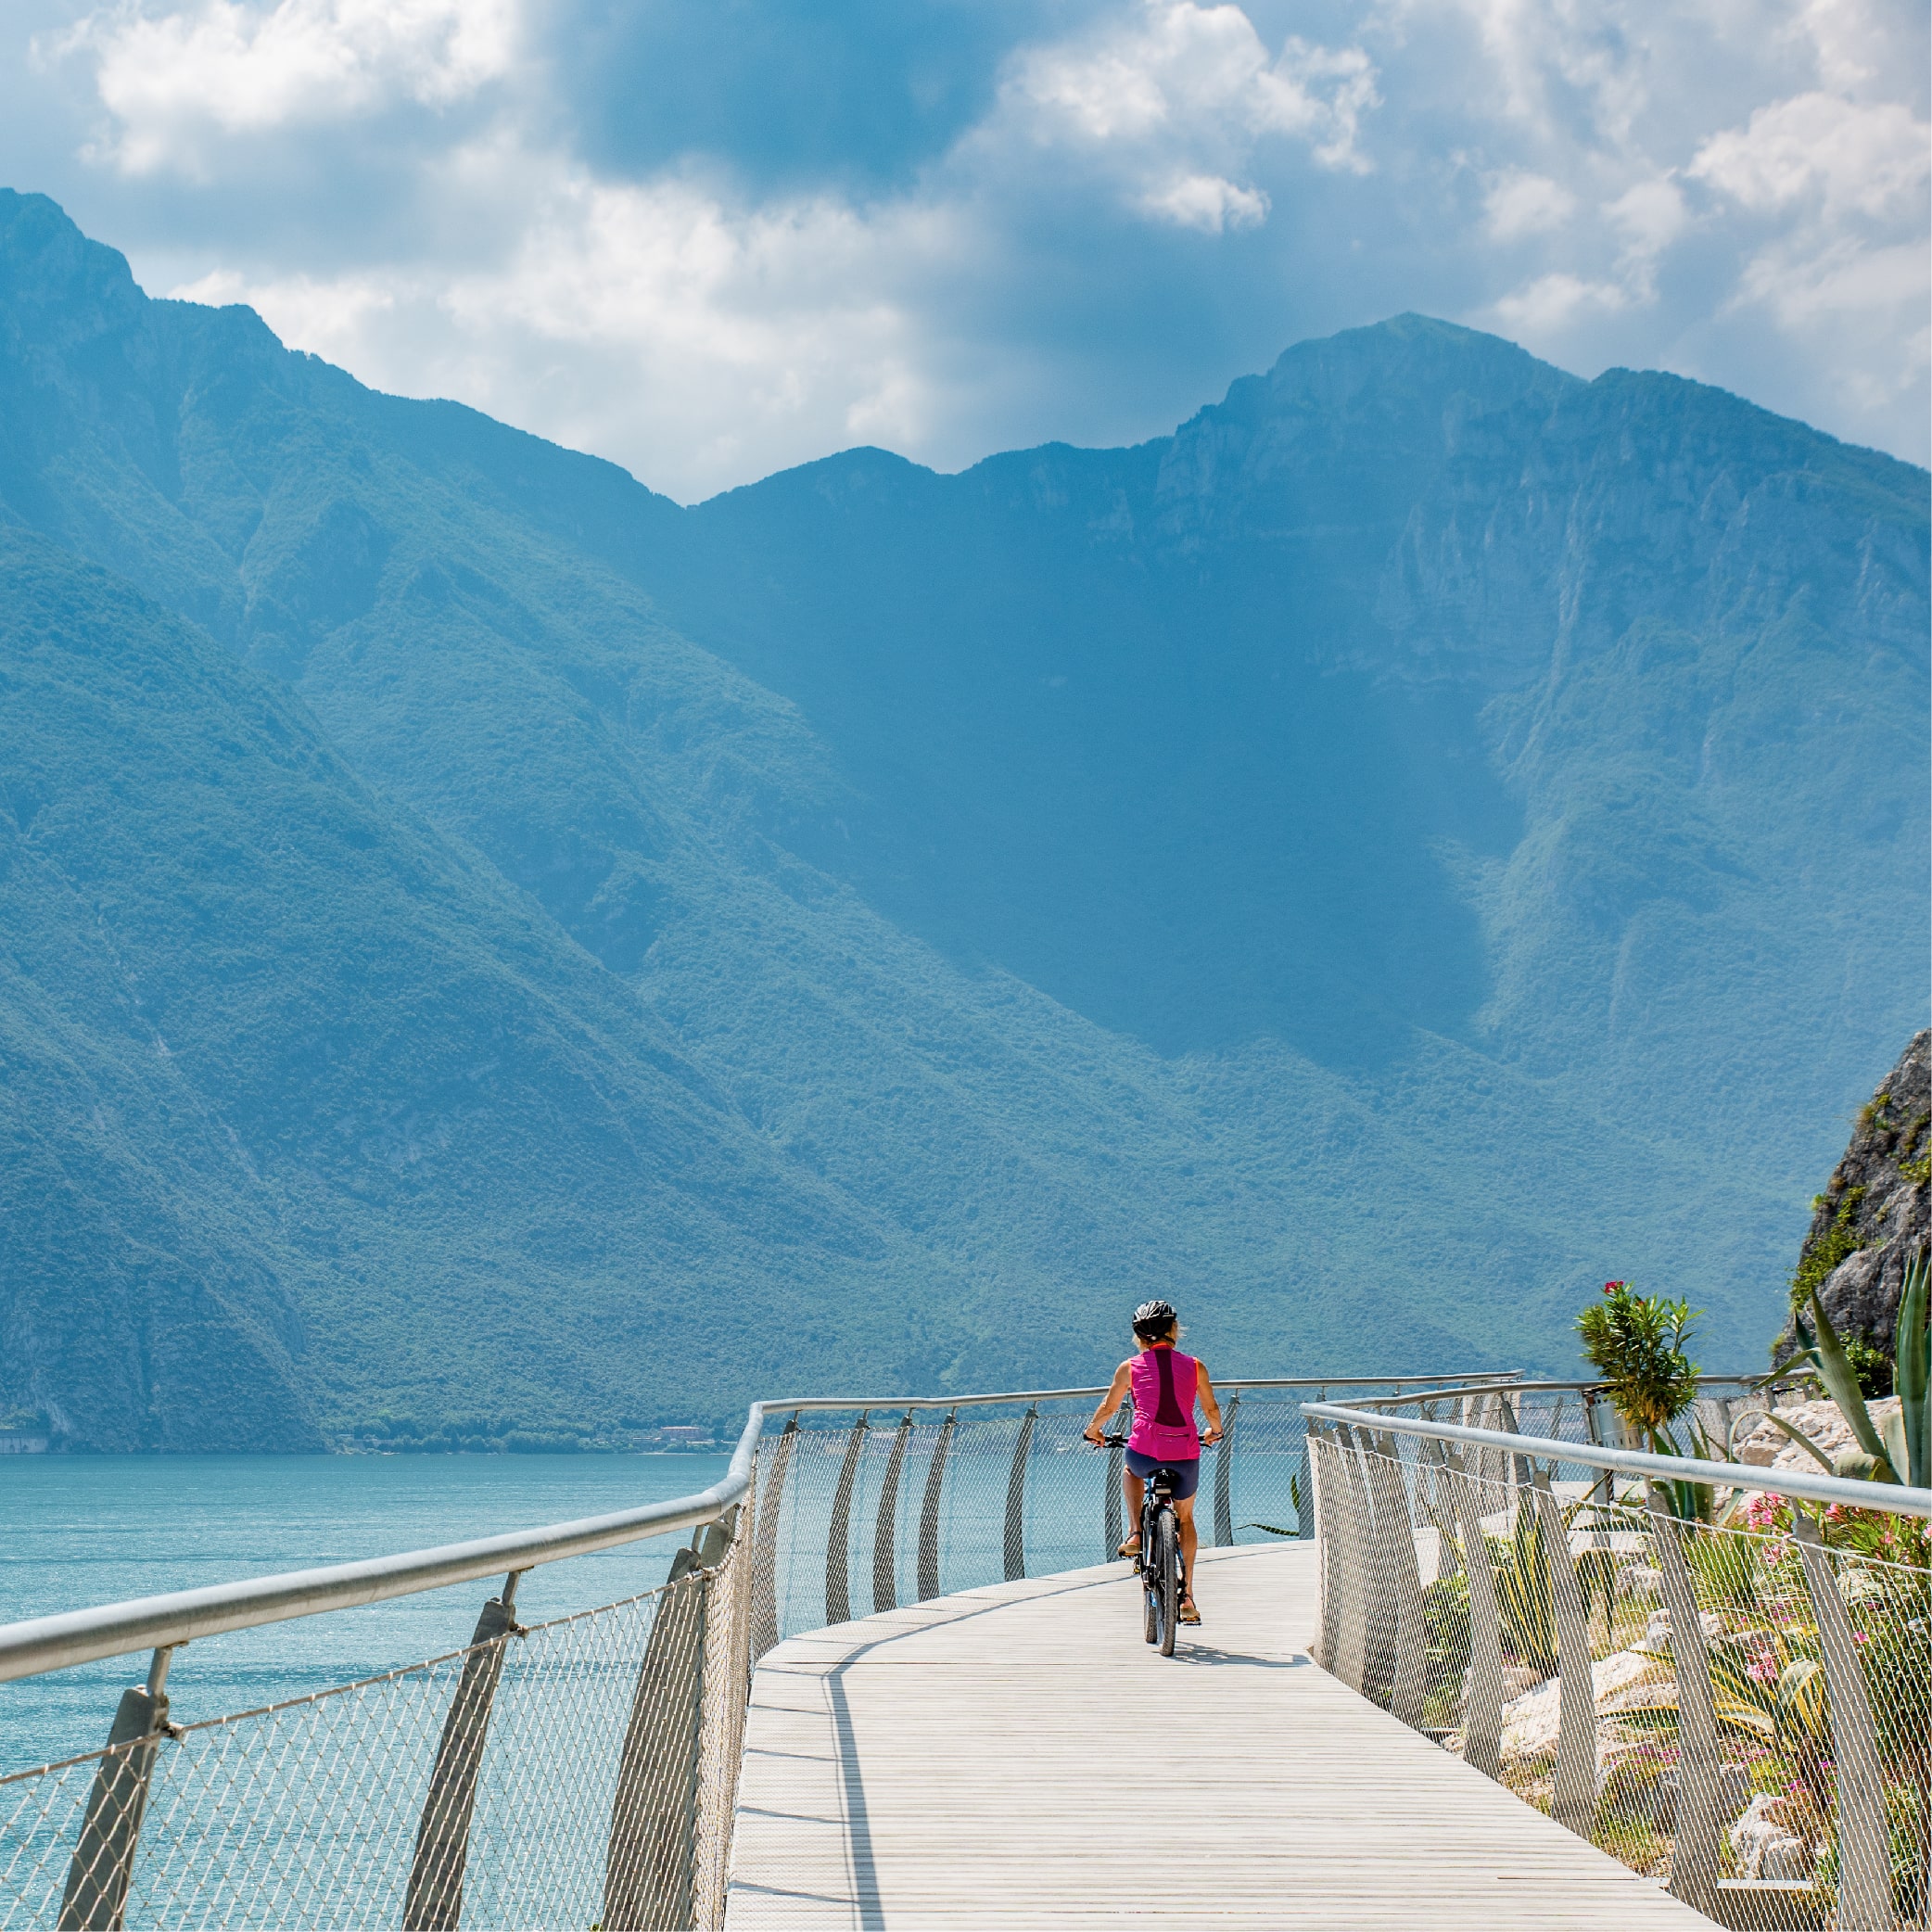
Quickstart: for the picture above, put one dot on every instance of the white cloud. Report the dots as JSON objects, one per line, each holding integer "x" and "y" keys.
{"x": 1176, "y": 100}
{"x": 1733, "y": 188}
{"x": 1549, "y": 65}
{"x": 170, "y": 80}
{"x": 701, "y": 340}
{"x": 327, "y": 318}
{"x": 1860, "y": 312}
{"x": 1516, "y": 203}
{"x": 1207, "y": 202}
{"x": 1868, "y": 158}
{"x": 1555, "y": 302}
{"x": 1651, "y": 216}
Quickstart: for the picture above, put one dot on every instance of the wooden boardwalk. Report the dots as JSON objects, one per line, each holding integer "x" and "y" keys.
{"x": 1016, "y": 1756}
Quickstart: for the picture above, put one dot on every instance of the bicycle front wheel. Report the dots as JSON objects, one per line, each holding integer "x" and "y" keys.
{"x": 1167, "y": 1578}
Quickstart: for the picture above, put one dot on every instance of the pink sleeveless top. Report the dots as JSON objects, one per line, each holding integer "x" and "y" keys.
{"x": 1162, "y": 1381}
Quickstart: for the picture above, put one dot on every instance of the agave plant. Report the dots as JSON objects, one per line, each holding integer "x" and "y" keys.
{"x": 1900, "y": 1450}
{"x": 1520, "y": 1565}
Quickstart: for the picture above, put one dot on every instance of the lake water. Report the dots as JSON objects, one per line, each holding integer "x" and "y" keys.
{"x": 79, "y": 1531}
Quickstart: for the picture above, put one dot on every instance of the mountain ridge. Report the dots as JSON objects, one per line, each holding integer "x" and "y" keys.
{"x": 1352, "y": 942}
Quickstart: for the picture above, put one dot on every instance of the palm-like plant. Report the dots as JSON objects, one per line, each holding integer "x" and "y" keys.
{"x": 1636, "y": 1343}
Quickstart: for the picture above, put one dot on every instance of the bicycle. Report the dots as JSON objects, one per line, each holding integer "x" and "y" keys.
{"x": 1158, "y": 1561}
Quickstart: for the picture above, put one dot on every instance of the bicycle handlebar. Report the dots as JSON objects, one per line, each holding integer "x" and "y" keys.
{"x": 1120, "y": 1442}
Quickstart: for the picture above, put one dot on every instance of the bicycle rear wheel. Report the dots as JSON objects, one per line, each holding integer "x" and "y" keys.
{"x": 1144, "y": 1569}
{"x": 1166, "y": 1579}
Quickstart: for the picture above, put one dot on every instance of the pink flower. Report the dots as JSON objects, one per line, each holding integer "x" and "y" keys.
{"x": 1764, "y": 1667}
{"x": 1833, "y": 1513}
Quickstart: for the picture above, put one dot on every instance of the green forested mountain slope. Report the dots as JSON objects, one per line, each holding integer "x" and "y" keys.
{"x": 309, "y": 1119}
{"x": 1428, "y": 834}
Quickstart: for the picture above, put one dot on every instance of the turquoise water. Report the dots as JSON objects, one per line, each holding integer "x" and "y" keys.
{"x": 77, "y": 1530}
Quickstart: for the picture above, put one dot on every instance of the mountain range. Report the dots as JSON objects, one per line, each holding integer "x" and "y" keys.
{"x": 488, "y": 953}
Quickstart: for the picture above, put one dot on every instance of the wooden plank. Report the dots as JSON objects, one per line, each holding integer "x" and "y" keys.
{"x": 1016, "y": 1756}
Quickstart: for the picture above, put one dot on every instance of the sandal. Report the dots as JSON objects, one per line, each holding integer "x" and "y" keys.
{"x": 1131, "y": 1548}
{"x": 1189, "y": 1613}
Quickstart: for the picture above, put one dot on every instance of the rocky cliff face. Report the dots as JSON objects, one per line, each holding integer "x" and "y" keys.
{"x": 1877, "y": 1207}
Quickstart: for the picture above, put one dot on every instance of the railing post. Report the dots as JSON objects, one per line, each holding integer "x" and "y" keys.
{"x": 1408, "y": 1682}
{"x": 1319, "y": 1509}
{"x": 1353, "y": 1574}
{"x": 1114, "y": 1502}
{"x": 1016, "y": 1500}
{"x": 1864, "y": 1851}
{"x": 1433, "y": 1499}
{"x": 435, "y": 1899}
{"x": 103, "y": 1863}
{"x": 1379, "y": 1622}
{"x": 1483, "y": 1696}
{"x": 1574, "y": 1800}
{"x": 764, "y": 1546}
{"x": 1602, "y": 1491}
{"x": 1223, "y": 1486}
{"x": 838, "y": 1537}
{"x": 1695, "y": 1862}
{"x": 1518, "y": 1461}
{"x": 1305, "y": 1510}
{"x": 929, "y": 1511}
{"x": 649, "y": 1865}
{"x": 885, "y": 1589}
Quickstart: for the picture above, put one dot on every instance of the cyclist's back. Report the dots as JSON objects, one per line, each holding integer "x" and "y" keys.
{"x": 1162, "y": 1382}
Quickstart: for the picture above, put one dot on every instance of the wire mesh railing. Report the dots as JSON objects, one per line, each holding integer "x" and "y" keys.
{"x": 1721, "y": 1676}
{"x": 579, "y": 1772}
{"x": 872, "y": 1506}
{"x": 604, "y": 1795}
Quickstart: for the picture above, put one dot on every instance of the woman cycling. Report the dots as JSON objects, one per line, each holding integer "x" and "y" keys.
{"x": 1166, "y": 1385}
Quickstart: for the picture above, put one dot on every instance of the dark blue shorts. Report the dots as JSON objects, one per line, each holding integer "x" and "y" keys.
{"x": 1187, "y": 1475}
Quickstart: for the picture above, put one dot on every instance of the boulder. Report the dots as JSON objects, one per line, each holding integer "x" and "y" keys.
{"x": 1656, "y": 1631}
{"x": 1764, "y": 1844}
{"x": 1639, "y": 1582}
{"x": 1531, "y": 1722}
{"x": 1769, "y": 1448}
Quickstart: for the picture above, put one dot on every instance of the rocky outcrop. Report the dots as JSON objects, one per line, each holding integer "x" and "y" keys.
{"x": 1769, "y": 1448}
{"x": 1874, "y": 1211}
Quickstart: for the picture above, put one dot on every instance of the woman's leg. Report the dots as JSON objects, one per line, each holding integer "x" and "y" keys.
{"x": 1135, "y": 1488}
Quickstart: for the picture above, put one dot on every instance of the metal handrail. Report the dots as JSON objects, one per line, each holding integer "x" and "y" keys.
{"x": 1752, "y": 1381}
{"x": 178, "y": 1618}
{"x": 69, "y": 1637}
{"x": 825, "y": 1403}
{"x": 1893, "y": 1498}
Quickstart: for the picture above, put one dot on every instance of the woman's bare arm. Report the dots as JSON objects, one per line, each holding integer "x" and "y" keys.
{"x": 1210, "y": 1407}
{"x": 1110, "y": 1404}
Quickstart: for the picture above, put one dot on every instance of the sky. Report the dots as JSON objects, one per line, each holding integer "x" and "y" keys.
{"x": 709, "y": 239}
